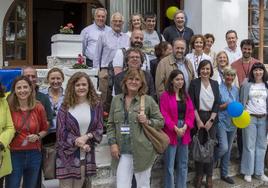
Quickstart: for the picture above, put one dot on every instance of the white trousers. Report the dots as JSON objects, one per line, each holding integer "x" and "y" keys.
{"x": 125, "y": 171}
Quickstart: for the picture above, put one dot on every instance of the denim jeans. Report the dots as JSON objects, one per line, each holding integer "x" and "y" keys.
{"x": 178, "y": 153}
{"x": 25, "y": 164}
{"x": 223, "y": 150}
{"x": 254, "y": 147}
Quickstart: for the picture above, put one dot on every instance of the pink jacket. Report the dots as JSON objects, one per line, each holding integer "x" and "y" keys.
{"x": 169, "y": 110}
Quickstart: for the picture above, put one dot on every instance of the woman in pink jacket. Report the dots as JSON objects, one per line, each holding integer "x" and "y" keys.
{"x": 178, "y": 112}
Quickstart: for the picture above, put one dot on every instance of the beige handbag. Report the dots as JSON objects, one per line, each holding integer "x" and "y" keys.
{"x": 158, "y": 138}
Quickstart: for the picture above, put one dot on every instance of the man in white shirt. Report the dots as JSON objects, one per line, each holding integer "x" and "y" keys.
{"x": 232, "y": 50}
{"x": 90, "y": 34}
{"x": 136, "y": 41}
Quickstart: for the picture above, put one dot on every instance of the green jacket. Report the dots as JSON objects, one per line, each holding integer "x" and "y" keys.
{"x": 6, "y": 134}
{"x": 142, "y": 149}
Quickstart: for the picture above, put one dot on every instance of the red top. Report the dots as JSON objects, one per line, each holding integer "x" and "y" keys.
{"x": 35, "y": 123}
{"x": 243, "y": 69}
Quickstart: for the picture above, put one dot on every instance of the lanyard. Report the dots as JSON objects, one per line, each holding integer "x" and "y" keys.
{"x": 246, "y": 73}
{"x": 197, "y": 61}
{"x": 179, "y": 33}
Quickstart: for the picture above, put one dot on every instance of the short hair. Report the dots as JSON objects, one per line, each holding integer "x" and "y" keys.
{"x": 209, "y": 35}
{"x": 202, "y": 64}
{"x": 258, "y": 65}
{"x": 28, "y": 67}
{"x": 229, "y": 71}
{"x": 179, "y": 39}
{"x": 117, "y": 14}
{"x": 55, "y": 69}
{"x": 160, "y": 48}
{"x": 2, "y": 90}
{"x": 193, "y": 39}
{"x": 131, "y": 74}
{"x": 149, "y": 15}
{"x": 100, "y": 9}
{"x": 179, "y": 12}
{"x": 247, "y": 42}
{"x": 130, "y": 23}
{"x": 170, "y": 87}
{"x": 230, "y": 31}
{"x": 136, "y": 50}
{"x": 220, "y": 53}
{"x": 70, "y": 99}
{"x": 13, "y": 99}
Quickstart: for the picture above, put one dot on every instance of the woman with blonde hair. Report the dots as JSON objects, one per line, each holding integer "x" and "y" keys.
{"x": 135, "y": 23}
{"x": 222, "y": 62}
{"x": 6, "y": 134}
{"x": 30, "y": 122}
{"x": 130, "y": 147}
{"x": 79, "y": 128}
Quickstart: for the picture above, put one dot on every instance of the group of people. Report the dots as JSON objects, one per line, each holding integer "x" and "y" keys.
{"x": 185, "y": 87}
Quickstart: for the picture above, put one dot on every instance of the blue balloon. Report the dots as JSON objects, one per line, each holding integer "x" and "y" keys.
{"x": 235, "y": 109}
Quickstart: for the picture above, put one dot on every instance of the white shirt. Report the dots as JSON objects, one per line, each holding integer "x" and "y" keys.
{"x": 206, "y": 98}
{"x": 233, "y": 55}
{"x": 119, "y": 59}
{"x": 82, "y": 114}
{"x": 195, "y": 60}
{"x": 257, "y": 99}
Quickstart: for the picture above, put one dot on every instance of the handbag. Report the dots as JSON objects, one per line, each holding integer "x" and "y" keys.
{"x": 49, "y": 161}
{"x": 203, "y": 152}
{"x": 158, "y": 138}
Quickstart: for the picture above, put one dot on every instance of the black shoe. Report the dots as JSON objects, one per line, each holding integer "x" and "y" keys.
{"x": 228, "y": 180}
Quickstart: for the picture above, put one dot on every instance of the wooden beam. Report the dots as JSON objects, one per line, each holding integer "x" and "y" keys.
{"x": 261, "y": 30}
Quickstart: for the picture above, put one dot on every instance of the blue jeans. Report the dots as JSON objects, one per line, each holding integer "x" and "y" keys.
{"x": 25, "y": 164}
{"x": 223, "y": 151}
{"x": 178, "y": 153}
{"x": 254, "y": 147}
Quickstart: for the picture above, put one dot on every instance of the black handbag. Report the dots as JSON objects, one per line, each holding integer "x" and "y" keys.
{"x": 203, "y": 152}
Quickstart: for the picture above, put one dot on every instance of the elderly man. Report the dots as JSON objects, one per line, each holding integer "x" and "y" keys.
{"x": 107, "y": 45}
{"x": 233, "y": 52}
{"x": 91, "y": 33}
{"x": 179, "y": 30}
{"x": 176, "y": 60}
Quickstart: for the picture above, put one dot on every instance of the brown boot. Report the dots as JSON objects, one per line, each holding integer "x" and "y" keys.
{"x": 209, "y": 183}
{"x": 198, "y": 181}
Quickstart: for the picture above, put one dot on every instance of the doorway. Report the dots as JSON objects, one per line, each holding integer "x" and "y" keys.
{"x": 48, "y": 16}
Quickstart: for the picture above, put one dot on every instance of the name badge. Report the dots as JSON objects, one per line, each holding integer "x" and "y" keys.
{"x": 125, "y": 130}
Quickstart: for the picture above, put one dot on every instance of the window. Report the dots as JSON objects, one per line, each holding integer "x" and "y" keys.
{"x": 258, "y": 27}
{"x": 15, "y": 39}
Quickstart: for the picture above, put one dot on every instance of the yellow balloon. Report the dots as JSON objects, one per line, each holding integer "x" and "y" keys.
{"x": 171, "y": 11}
{"x": 242, "y": 121}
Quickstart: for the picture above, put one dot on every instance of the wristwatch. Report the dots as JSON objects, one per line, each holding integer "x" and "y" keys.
{"x": 89, "y": 135}
{"x": 211, "y": 120}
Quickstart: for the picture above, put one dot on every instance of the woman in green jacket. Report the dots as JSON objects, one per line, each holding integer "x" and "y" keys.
{"x": 129, "y": 145}
{"x": 6, "y": 134}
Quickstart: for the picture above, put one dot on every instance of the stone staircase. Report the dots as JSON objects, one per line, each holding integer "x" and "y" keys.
{"x": 105, "y": 178}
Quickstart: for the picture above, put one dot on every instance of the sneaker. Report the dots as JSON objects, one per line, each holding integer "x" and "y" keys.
{"x": 228, "y": 180}
{"x": 262, "y": 178}
{"x": 247, "y": 178}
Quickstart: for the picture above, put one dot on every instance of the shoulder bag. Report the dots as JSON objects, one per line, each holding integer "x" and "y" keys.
{"x": 158, "y": 138}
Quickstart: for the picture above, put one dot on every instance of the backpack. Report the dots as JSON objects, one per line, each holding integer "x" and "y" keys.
{"x": 159, "y": 36}
{"x": 111, "y": 69}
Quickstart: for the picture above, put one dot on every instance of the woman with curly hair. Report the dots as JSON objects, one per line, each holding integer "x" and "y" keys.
{"x": 79, "y": 128}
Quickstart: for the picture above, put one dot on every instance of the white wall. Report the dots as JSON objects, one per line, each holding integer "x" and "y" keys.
{"x": 218, "y": 16}
{"x": 4, "y": 5}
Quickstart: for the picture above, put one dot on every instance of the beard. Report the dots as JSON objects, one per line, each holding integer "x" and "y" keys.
{"x": 136, "y": 44}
